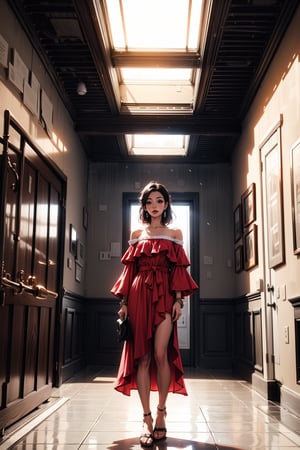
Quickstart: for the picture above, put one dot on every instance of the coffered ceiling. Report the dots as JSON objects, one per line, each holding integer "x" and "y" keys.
{"x": 241, "y": 38}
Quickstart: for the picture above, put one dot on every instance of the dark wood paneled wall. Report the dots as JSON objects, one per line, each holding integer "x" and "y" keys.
{"x": 74, "y": 326}
{"x": 228, "y": 334}
{"x": 248, "y": 352}
{"x": 216, "y": 334}
{"x": 102, "y": 344}
{"x": 296, "y": 304}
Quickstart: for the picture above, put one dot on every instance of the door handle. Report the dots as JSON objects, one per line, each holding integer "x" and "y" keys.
{"x": 34, "y": 289}
{"x": 272, "y": 305}
{"x": 6, "y": 282}
{"x": 270, "y": 288}
{"x": 42, "y": 292}
{"x": 12, "y": 167}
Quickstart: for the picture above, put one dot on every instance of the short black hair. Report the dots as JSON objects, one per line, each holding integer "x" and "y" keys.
{"x": 153, "y": 186}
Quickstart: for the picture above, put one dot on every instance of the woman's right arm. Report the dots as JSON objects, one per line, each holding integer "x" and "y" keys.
{"x": 123, "y": 311}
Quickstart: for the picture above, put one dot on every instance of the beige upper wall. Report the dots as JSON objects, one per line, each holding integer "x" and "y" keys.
{"x": 107, "y": 182}
{"x": 72, "y": 161}
{"x": 278, "y": 96}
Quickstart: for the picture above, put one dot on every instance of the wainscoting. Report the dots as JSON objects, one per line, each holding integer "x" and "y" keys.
{"x": 288, "y": 398}
{"x": 103, "y": 347}
{"x": 248, "y": 353}
{"x": 227, "y": 334}
{"x": 296, "y": 304}
{"x": 74, "y": 325}
{"x": 215, "y": 334}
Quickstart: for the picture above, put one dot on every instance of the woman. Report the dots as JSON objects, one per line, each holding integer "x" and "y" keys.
{"x": 151, "y": 287}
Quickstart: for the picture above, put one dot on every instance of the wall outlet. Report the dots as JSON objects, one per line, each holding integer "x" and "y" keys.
{"x": 283, "y": 292}
{"x": 278, "y": 293}
{"x": 286, "y": 334}
{"x": 104, "y": 256}
{"x": 259, "y": 284}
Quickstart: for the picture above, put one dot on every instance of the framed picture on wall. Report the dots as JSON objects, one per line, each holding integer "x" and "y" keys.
{"x": 295, "y": 180}
{"x": 274, "y": 209}
{"x": 249, "y": 206}
{"x": 80, "y": 252}
{"x": 73, "y": 240}
{"x": 85, "y": 218}
{"x": 250, "y": 247}
{"x": 237, "y": 223}
{"x": 78, "y": 272}
{"x": 238, "y": 259}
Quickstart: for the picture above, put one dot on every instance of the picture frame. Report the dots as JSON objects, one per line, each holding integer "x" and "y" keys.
{"x": 274, "y": 209}
{"x": 295, "y": 192}
{"x": 237, "y": 223}
{"x": 78, "y": 272}
{"x": 238, "y": 259}
{"x": 80, "y": 252}
{"x": 250, "y": 247}
{"x": 73, "y": 240}
{"x": 85, "y": 218}
{"x": 248, "y": 200}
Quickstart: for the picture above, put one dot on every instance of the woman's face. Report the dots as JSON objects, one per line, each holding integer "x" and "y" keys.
{"x": 155, "y": 204}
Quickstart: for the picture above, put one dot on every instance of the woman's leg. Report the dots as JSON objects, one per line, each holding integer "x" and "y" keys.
{"x": 161, "y": 341}
{"x": 143, "y": 381}
{"x": 143, "y": 387}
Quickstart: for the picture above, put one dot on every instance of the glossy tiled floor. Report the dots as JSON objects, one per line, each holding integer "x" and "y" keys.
{"x": 219, "y": 413}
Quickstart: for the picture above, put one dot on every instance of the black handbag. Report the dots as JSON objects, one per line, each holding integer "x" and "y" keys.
{"x": 123, "y": 329}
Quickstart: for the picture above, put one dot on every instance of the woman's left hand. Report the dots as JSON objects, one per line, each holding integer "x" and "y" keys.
{"x": 176, "y": 311}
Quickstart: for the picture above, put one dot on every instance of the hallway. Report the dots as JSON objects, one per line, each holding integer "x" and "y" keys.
{"x": 219, "y": 413}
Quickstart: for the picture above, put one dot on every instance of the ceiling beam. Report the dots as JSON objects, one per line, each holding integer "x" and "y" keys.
{"x": 206, "y": 126}
{"x": 156, "y": 59}
{"x": 217, "y": 13}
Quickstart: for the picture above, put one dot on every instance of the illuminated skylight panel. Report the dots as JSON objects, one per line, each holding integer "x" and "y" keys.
{"x": 157, "y": 145}
{"x": 194, "y": 25}
{"x": 162, "y": 140}
{"x": 149, "y": 74}
{"x": 154, "y": 24}
{"x": 116, "y": 26}
{"x": 160, "y": 24}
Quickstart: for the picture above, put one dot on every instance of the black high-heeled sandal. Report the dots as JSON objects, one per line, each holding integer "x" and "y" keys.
{"x": 146, "y": 436}
{"x": 160, "y": 429}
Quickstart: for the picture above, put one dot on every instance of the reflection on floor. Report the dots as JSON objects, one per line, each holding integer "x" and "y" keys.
{"x": 219, "y": 413}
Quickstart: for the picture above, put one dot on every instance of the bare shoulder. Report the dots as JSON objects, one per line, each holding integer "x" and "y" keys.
{"x": 136, "y": 234}
{"x": 176, "y": 233}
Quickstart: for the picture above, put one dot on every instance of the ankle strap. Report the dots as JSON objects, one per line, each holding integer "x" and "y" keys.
{"x": 147, "y": 414}
{"x": 161, "y": 409}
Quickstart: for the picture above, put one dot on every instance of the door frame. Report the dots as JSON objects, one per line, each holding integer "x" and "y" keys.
{"x": 269, "y": 294}
{"x": 10, "y": 121}
{"x": 189, "y": 357}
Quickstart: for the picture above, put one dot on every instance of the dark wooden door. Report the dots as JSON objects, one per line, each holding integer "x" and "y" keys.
{"x": 32, "y": 218}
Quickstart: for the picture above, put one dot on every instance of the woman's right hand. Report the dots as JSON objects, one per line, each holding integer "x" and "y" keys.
{"x": 123, "y": 311}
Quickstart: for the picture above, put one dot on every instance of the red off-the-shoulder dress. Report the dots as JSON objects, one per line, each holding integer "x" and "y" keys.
{"x": 155, "y": 268}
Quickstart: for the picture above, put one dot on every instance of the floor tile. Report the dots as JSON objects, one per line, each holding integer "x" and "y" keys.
{"x": 219, "y": 413}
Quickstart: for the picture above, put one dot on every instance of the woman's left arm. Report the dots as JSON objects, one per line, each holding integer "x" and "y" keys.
{"x": 177, "y": 306}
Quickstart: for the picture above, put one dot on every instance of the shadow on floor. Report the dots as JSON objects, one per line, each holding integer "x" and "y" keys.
{"x": 170, "y": 443}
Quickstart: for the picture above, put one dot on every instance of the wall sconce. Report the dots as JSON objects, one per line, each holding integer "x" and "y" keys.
{"x": 81, "y": 88}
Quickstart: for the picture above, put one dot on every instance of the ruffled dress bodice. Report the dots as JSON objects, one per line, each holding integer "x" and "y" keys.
{"x": 154, "y": 253}
{"x": 154, "y": 269}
